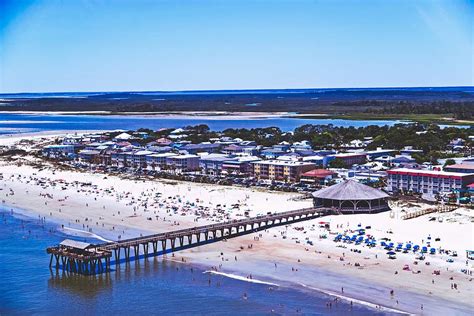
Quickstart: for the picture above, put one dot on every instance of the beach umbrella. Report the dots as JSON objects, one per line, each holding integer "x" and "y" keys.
{"x": 391, "y": 253}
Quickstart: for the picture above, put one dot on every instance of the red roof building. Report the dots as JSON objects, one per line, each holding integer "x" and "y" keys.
{"x": 317, "y": 175}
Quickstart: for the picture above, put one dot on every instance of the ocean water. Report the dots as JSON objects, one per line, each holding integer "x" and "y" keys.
{"x": 153, "y": 286}
{"x": 17, "y": 123}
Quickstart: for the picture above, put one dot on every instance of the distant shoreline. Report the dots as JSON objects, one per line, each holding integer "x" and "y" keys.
{"x": 165, "y": 113}
{"x": 421, "y": 118}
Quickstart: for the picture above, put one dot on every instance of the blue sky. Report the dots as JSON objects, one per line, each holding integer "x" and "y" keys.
{"x": 99, "y": 45}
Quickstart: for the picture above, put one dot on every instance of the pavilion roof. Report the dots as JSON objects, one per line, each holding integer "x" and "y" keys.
{"x": 350, "y": 190}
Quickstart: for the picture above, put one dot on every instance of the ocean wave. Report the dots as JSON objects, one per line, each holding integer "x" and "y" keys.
{"x": 240, "y": 278}
{"x": 356, "y": 301}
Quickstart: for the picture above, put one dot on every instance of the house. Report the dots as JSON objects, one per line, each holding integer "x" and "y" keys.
{"x": 199, "y": 148}
{"x": 163, "y": 142}
{"x": 123, "y": 137}
{"x": 317, "y": 176}
{"x": 177, "y": 131}
{"x": 408, "y": 150}
{"x": 354, "y": 144}
{"x": 302, "y": 145}
{"x": 60, "y": 150}
{"x": 72, "y": 139}
{"x": 349, "y": 159}
{"x": 397, "y": 160}
{"x": 95, "y": 137}
{"x": 89, "y": 155}
{"x": 142, "y": 135}
{"x": 247, "y": 143}
{"x": 379, "y": 152}
{"x": 234, "y": 149}
{"x": 272, "y": 153}
{"x": 280, "y": 170}
{"x": 319, "y": 160}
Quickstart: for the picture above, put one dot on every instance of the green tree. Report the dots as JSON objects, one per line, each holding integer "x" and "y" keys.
{"x": 449, "y": 162}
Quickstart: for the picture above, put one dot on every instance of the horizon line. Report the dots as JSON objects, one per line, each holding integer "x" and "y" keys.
{"x": 237, "y": 90}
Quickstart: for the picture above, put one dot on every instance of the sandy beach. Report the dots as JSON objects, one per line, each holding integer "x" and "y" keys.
{"x": 121, "y": 207}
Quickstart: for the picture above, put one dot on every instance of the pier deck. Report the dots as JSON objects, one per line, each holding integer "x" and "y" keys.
{"x": 96, "y": 258}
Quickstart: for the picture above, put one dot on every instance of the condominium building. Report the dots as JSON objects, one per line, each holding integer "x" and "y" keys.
{"x": 158, "y": 160}
{"x": 429, "y": 182}
{"x": 183, "y": 162}
{"x": 281, "y": 170}
{"x": 212, "y": 164}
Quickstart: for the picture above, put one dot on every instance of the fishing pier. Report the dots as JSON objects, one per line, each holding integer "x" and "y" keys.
{"x": 84, "y": 258}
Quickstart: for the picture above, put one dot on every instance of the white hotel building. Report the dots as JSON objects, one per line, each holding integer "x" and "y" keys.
{"x": 429, "y": 182}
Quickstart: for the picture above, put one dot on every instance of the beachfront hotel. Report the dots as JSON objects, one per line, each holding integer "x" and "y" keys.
{"x": 430, "y": 182}
{"x": 281, "y": 170}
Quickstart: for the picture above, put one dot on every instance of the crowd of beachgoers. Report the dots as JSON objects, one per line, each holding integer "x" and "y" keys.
{"x": 416, "y": 265}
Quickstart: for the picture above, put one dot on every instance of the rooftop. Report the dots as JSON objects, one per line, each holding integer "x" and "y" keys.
{"x": 429, "y": 172}
{"x": 184, "y": 156}
{"x": 467, "y": 166}
{"x": 284, "y": 162}
{"x": 350, "y": 190}
{"x": 74, "y": 244}
{"x": 342, "y": 155}
{"x": 318, "y": 173}
{"x": 163, "y": 155}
